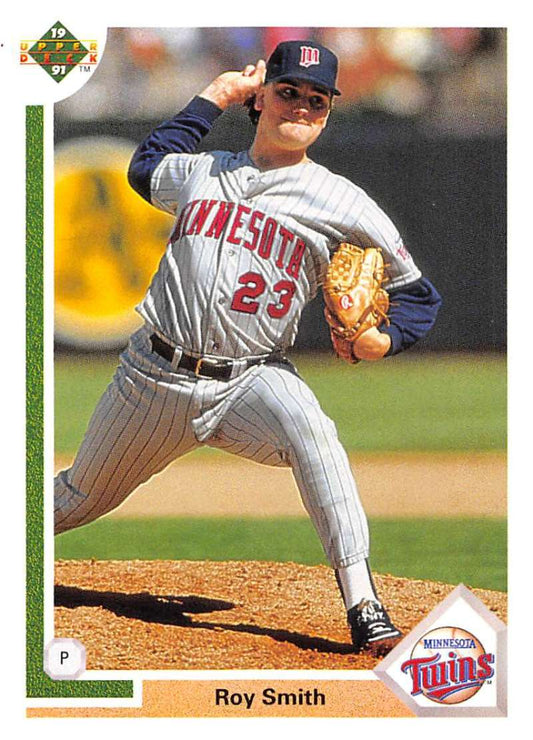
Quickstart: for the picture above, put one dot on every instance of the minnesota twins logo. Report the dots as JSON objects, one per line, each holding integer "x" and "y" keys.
{"x": 448, "y": 665}
{"x": 308, "y": 56}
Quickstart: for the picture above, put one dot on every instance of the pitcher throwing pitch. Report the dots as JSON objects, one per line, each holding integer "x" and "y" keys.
{"x": 250, "y": 247}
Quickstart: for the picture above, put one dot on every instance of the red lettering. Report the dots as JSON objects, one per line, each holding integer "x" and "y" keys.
{"x": 451, "y": 664}
{"x": 176, "y": 231}
{"x": 485, "y": 669}
{"x": 437, "y": 675}
{"x": 286, "y": 290}
{"x": 46, "y": 58}
{"x": 267, "y": 237}
{"x": 416, "y": 667}
{"x": 467, "y": 669}
{"x": 286, "y": 237}
{"x": 237, "y": 223}
{"x": 185, "y": 217}
{"x": 254, "y": 285}
{"x": 92, "y": 58}
{"x": 430, "y": 674}
{"x": 293, "y": 268}
{"x": 256, "y": 216}
{"x": 201, "y": 215}
{"x": 220, "y": 219}
{"x": 402, "y": 251}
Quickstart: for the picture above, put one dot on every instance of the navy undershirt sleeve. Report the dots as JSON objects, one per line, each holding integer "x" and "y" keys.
{"x": 181, "y": 134}
{"x": 412, "y": 313}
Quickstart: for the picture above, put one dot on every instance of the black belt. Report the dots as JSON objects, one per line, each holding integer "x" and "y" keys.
{"x": 204, "y": 366}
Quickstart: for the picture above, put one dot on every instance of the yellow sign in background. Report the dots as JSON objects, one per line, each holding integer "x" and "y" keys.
{"x": 108, "y": 243}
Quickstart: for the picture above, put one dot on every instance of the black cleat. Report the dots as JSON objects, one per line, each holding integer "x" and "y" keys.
{"x": 372, "y": 629}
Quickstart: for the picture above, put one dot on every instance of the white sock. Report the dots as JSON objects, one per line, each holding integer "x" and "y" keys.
{"x": 356, "y": 583}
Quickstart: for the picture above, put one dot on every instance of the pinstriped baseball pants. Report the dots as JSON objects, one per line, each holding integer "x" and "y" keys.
{"x": 150, "y": 415}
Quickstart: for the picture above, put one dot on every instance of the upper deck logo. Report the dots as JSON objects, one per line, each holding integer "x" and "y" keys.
{"x": 58, "y": 51}
{"x": 448, "y": 665}
{"x": 308, "y": 56}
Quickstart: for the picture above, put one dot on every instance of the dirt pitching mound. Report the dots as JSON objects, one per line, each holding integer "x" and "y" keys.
{"x": 135, "y": 615}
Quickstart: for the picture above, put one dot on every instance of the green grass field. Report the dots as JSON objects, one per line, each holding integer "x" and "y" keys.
{"x": 426, "y": 403}
{"x": 469, "y": 551}
{"x": 405, "y": 403}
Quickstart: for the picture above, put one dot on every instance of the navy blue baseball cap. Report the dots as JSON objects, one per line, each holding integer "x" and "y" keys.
{"x": 303, "y": 60}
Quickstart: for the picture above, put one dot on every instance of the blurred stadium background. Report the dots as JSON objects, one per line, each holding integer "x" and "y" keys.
{"x": 421, "y": 125}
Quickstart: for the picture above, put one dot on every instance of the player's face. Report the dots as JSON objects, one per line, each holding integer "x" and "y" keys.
{"x": 293, "y": 114}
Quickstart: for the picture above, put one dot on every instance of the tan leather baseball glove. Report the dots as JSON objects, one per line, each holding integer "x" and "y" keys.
{"x": 355, "y": 300}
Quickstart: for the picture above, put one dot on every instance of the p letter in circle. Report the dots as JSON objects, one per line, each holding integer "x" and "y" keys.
{"x": 64, "y": 659}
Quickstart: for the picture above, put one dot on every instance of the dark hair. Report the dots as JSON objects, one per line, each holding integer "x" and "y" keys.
{"x": 253, "y": 114}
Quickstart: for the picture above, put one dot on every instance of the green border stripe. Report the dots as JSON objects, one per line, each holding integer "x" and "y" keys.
{"x": 38, "y": 684}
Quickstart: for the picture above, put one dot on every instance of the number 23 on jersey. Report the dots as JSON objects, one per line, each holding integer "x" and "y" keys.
{"x": 254, "y": 285}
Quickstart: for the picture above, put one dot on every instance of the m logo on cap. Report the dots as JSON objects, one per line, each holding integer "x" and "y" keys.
{"x": 308, "y": 56}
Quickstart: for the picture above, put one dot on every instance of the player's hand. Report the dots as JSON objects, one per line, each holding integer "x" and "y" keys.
{"x": 371, "y": 345}
{"x": 232, "y": 88}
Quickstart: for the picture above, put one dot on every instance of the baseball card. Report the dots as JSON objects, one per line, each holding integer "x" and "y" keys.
{"x": 262, "y": 277}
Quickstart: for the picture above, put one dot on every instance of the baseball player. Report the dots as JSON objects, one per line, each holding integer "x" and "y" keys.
{"x": 250, "y": 246}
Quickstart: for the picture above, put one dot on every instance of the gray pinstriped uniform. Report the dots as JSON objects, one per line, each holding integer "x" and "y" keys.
{"x": 248, "y": 250}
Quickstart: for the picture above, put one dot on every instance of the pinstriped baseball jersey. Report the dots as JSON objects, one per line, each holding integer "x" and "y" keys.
{"x": 249, "y": 249}
{"x": 150, "y": 415}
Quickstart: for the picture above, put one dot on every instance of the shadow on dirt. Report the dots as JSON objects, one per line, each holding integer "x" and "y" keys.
{"x": 175, "y": 610}
{"x": 144, "y": 606}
